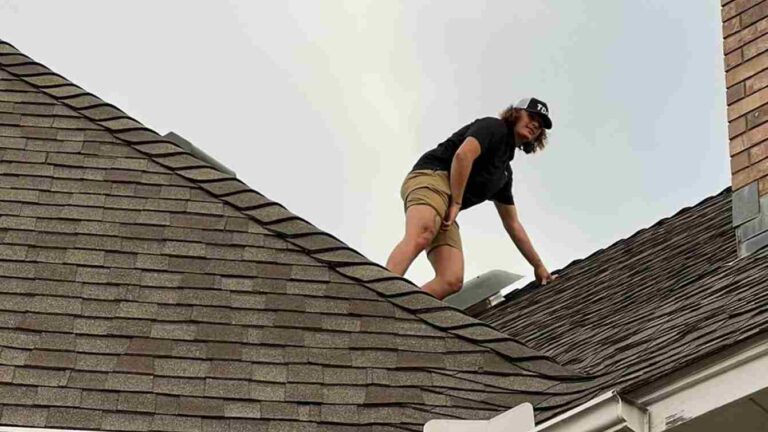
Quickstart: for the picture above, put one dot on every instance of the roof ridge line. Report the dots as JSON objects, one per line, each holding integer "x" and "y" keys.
{"x": 274, "y": 218}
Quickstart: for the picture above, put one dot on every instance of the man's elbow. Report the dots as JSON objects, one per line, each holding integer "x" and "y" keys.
{"x": 515, "y": 228}
{"x": 464, "y": 157}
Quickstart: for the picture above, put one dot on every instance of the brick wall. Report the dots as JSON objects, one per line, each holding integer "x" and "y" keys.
{"x": 745, "y": 46}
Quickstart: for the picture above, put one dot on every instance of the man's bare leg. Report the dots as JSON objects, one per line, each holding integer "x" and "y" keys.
{"x": 421, "y": 226}
{"x": 448, "y": 263}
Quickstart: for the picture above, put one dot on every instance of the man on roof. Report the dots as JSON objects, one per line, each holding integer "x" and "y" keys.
{"x": 470, "y": 167}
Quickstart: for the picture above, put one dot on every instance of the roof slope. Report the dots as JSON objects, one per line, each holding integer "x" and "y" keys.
{"x": 649, "y": 304}
{"x": 141, "y": 289}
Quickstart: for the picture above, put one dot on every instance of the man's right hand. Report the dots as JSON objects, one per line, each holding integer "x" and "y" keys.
{"x": 450, "y": 216}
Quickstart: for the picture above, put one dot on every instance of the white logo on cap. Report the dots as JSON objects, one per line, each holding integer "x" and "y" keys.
{"x": 542, "y": 109}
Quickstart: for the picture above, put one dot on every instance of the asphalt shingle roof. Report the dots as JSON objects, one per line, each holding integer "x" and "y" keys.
{"x": 647, "y": 305}
{"x": 141, "y": 289}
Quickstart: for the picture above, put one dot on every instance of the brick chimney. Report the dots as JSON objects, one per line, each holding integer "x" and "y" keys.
{"x": 745, "y": 45}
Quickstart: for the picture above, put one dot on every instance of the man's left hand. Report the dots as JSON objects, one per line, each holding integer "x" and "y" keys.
{"x": 543, "y": 276}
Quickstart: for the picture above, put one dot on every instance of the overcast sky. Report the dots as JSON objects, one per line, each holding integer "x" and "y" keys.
{"x": 324, "y": 106}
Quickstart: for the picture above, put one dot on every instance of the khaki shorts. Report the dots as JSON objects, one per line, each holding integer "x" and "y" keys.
{"x": 432, "y": 188}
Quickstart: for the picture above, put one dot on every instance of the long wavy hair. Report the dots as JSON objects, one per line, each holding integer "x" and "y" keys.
{"x": 510, "y": 117}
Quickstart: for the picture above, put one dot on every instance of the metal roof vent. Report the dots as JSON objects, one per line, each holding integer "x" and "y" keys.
{"x": 197, "y": 152}
{"x": 478, "y": 293}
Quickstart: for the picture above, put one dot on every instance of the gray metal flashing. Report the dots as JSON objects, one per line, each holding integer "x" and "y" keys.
{"x": 746, "y": 205}
{"x": 750, "y": 219}
{"x": 754, "y": 244}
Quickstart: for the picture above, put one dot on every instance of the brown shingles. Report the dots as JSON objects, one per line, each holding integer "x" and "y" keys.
{"x": 137, "y": 364}
{"x": 220, "y": 350}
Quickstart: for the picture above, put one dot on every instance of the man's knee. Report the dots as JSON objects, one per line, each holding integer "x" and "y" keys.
{"x": 423, "y": 237}
{"x": 454, "y": 284}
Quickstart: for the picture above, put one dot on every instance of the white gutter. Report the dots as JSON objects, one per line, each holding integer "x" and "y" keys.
{"x": 606, "y": 413}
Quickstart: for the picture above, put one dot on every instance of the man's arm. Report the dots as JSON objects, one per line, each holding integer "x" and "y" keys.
{"x": 508, "y": 215}
{"x": 461, "y": 166}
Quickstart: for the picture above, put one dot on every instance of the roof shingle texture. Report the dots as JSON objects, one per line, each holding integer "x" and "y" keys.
{"x": 142, "y": 290}
{"x": 648, "y": 305}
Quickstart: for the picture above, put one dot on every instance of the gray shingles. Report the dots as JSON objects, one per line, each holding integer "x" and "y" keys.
{"x": 129, "y": 382}
{"x": 11, "y": 356}
{"x": 269, "y": 372}
{"x": 227, "y": 388}
{"x": 51, "y": 359}
{"x": 101, "y": 345}
{"x": 174, "y": 331}
{"x": 74, "y": 418}
{"x": 95, "y": 362}
{"x": 179, "y": 386}
{"x": 24, "y": 416}
{"x": 58, "y": 396}
{"x": 141, "y": 402}
{"x": 44, "y": 377}
{"x": 6, "y": 373}
{"x": 344, "y": 394}
{"x": 263, "y": 391}
{"x": 242, "y": 409}
{"x": 181, "y": 367}
{"x": 180, "y": 424}
{"x": 87, "y": 380}
{"x": 126, "y": 422}
{"x": 15, "y": 394}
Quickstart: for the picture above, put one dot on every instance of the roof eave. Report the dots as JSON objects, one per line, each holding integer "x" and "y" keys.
{"x": 707, "y": 385}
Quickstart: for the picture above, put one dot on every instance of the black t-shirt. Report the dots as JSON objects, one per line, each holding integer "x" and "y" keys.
{"x": 491, "y": 175}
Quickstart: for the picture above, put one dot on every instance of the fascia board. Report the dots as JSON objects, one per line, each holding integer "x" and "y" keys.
{"x": 706, "y": 388}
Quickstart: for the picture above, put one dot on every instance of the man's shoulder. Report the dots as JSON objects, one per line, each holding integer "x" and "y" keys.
{"x": 494, "y": 123}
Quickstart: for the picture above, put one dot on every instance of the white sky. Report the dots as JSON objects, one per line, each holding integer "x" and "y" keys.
{"x": 324, "y": 106}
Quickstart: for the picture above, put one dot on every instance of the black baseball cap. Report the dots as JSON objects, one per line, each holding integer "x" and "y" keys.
{"x": 536, "y": 106}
